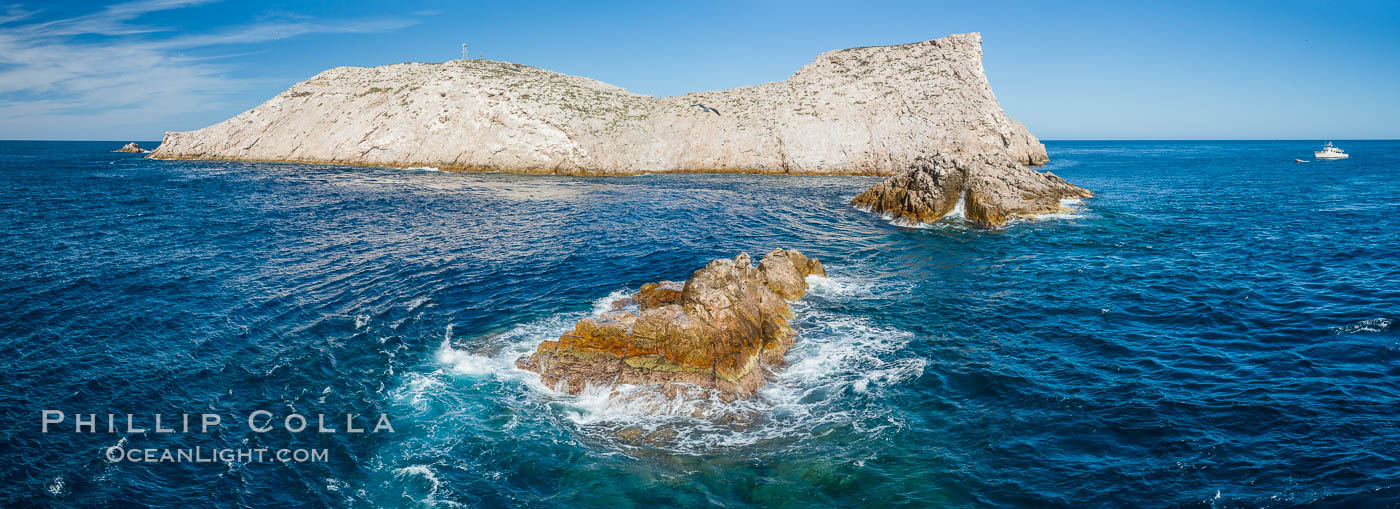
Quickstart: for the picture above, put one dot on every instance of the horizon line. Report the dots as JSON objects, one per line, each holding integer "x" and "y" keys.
{"x": 132, "y": 140}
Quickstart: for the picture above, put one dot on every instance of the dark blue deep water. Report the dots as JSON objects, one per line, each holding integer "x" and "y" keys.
{"x": 1215, "y": 328}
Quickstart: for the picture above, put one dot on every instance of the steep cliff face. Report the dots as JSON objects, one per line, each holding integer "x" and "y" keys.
{"x": 874, "y": 110}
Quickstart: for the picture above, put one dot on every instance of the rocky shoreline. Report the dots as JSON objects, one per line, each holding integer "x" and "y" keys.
{"x": 922, "y": 113}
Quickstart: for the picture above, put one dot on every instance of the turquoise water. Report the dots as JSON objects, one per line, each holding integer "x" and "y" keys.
{"x": 1215, "y": 328}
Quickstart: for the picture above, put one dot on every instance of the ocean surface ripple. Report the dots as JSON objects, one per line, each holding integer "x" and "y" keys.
{"x": 1216, "y": 327}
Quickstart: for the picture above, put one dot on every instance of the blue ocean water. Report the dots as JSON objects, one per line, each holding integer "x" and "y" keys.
{"x": 1216, "y": 327}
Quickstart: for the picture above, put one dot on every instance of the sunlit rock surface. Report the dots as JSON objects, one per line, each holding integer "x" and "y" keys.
{"x": 721, "y": 330}
{"x": 872, "y": 110}
{"x": 987, "y": 189}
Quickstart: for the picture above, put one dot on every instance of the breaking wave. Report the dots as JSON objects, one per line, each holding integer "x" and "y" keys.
{"x": 1372, "y": 325}
{"x": 835, "y": 375}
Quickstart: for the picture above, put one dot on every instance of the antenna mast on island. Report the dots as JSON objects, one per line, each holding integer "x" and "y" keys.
{"x": 464, "y": 51}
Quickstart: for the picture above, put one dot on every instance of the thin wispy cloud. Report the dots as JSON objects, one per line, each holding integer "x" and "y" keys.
{"x": 14, "y": 13}
{"x": 113, "y": 20}
{"x": 106, "y": 65}
{"x": 275, "y": 31}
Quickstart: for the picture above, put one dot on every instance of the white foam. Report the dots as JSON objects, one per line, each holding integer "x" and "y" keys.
{"x": 903, "y": 222}
{"x": 605, "y": 304}
{"x": 836, "y": 287}
{"x": 1070, "y": 208}
{"x": 595, "y": 405}
{"x": 838, "y": 350}
{"x": 836, "y": 358}
{"x": 463, "y": 363}
{"x": 497, "y": 356}
{"x": 1372, "y": 325}
{"x": 422, "y": 168}
{"x": 421, "y": 471}
{"x": 959, "y": 209}
{"x": 414, "y": 304}
{"x": 836, "y": 373}
{"x": 955, "y": 219}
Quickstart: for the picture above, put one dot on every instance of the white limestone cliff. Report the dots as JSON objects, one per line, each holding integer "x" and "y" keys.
{"x": 872, "y": 110}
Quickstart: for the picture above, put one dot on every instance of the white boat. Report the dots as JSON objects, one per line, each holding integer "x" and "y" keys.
{"x": 1330, "y": 152}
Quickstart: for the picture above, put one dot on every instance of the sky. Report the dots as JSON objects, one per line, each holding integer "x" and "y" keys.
{"x": 1067, "y": 70}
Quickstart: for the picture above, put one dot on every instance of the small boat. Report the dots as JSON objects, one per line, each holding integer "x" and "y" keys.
{"x": 1301, "y": 161}
{"x": 1330, "y": 152}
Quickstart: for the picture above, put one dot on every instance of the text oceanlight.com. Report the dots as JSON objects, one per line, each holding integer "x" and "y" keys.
{"x": 118, "y": 454}
{"x": 259, "y": 421}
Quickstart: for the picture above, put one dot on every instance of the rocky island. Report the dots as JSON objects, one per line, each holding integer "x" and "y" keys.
{"x": 880, "y": 110}
{"x": 719, "y": 331}
{"x": 131, "y": 148}
{"x": 873, "y": 110}
{"x": 989, "y": 189}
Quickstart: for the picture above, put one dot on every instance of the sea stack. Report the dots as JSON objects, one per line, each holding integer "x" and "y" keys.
{"x": 874, "y": 110}
{"x": 721, "y": 330}
{"x": 989, "y": 189}
{"x": 130, "y": 148}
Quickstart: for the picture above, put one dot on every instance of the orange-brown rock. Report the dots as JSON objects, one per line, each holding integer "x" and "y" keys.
{"x": 992, "y": 188}
{"x": 655, "y": 295}
{"x": 722, "y": 329}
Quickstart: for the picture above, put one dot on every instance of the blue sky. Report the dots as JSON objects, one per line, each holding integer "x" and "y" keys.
{"x": 1091, "y": 70}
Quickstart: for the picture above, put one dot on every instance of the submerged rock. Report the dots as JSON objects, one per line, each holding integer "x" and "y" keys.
{"x": 131, "y": 148}
{"x": 869, "y": 110}
{"x": 990, "y": 188}
{"x": 633, "y": 435}
{"x": 721, "y": 330}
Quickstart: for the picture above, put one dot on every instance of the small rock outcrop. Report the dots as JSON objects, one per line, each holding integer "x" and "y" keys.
{"x": 131, "y": 148}
{"x": 871, "y": 110}
{"x": 989, "y": 188}
{"x": 721, "y": 330}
